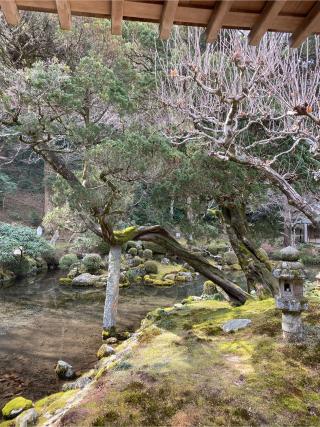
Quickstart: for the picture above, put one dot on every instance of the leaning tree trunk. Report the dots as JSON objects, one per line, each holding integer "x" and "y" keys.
{"x": 160, "y": 236}
{"x": 253, "y": 263}
{"x": 112, "y": 292}
{"x": 287, "y": 223}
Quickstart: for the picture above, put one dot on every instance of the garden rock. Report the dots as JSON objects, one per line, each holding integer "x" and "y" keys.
{"x": 86, "y": 279}
{"x": 15, "y": 406}
{"x": 27, "y": 418}
{"x": 64, "y": 371}
{"x": 104, "y": 351}
{"x": 235, "y": 324}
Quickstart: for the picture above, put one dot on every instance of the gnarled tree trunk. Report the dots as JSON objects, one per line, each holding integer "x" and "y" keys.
{"x": 161, "y": 237}
{"x": 253, "y": 263}
{"x": 112, "y": 292}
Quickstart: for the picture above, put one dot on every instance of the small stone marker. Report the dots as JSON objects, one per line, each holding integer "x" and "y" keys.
{"x": 39, "y": 231}
{"x": 235, "y": 324}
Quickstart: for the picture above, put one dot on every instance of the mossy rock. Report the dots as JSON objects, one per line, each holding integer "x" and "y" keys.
{"x": 15, "y": 407}
{"x": 230, "y": 258}
{"x": 236, "y": 267}
{"x": 217, "y": 247}
{"x": 158, "y": 282}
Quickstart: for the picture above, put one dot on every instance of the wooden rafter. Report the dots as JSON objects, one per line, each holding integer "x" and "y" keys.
{"x": 10, "y": 10}
{"x": 116, "y": 17}
{"x": 167, "y": 18}
{"x": 297, "y": 17}
{"x": 265, "y": 21}
{"x": 310, "y": 25}
{"x": 216, "y": 20}
{"x": 64, "y": 13}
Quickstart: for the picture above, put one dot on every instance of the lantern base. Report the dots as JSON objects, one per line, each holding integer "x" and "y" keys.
{"x": 292, "y": 327}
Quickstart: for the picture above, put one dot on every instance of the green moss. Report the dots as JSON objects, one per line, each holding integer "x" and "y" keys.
{"x": 15, "y": 405}
{"x": 52, "y": 403}
{"x": 108, "y": 333}
{"x": 65, "y": 281}
{"x": 125, "y": 235}
{"x": 8, "y": 423}
{"x": 158, "y": 282}
{"x": 186, "y": 371}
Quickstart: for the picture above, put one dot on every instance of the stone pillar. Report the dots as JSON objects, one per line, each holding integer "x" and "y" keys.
{"x": 292, "y": 329}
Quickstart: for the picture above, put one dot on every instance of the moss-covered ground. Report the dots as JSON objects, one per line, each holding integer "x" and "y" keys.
{"x": 186, "y": 372}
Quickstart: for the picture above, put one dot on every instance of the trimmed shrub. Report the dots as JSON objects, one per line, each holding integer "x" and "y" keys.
{"x": 131, "y": 244}
{"x": 151, "y": 267}
{"x": 92, "y": 262}
{"x": 137, "y": 261}
{"x": 133, "y": 251}
{"x": 14, "y": 237}
{"x": 156, "y": 249}
{"x": 147, "y": 254}
{"x": 66, "y": 261}
{"x": 209, "y": 288}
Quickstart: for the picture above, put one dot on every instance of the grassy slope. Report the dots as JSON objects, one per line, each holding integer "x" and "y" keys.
{"x": 187, "y": 372}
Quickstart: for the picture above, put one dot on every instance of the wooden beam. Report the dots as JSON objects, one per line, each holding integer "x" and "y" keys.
{"x": 167, "y": 18}
{"x": 10, "y": 10}
{"x": 116, "y": 17}
{"x": 221, "y": 9}
{"x": 265, "y": 22}
{"x": 311, "y": 24}
{"x": 64, "y": 12}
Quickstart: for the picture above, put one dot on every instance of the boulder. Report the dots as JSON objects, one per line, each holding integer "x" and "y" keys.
{"x": 111, "y": 340}
{"x": 235, "y": 324}
{"x": 15, "y": 406}
{"x": 187, "y": 275}
{"x": 64, "y": 371}
{"x": 27, "y": 418}
{"x": 165, "y": 261}
{"x": 104, "y": 351}
{"x": 170, "y": 276}
{"x": 87, "y": 279}
{"x": 178, "y": 306}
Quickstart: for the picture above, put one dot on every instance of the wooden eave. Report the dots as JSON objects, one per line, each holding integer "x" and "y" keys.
{"x": 299, "y": 18}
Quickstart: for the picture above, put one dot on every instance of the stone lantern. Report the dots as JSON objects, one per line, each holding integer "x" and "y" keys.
{"x": 290, "y": 299}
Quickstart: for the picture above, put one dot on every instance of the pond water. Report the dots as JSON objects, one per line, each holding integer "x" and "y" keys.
{"x": 42, "y": 322}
